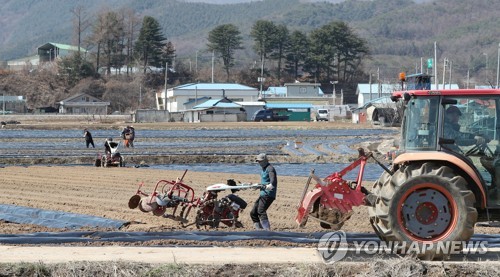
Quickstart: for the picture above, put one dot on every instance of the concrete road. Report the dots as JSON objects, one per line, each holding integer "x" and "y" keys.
{"x": 186, "y": 255}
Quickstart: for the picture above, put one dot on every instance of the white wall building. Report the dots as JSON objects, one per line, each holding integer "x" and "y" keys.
{"x": 181, "y": 98}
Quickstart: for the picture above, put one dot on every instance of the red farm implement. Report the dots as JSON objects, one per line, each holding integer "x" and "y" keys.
{"x": 175, "y": 200}
{"x": 331, "y": 200}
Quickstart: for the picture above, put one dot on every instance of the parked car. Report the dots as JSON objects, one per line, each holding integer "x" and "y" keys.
{"x": 322, "y": 114}
{"x": 268, "y": 115}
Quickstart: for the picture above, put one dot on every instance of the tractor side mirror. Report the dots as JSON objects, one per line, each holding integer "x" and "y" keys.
{"x": 406, "y": 97}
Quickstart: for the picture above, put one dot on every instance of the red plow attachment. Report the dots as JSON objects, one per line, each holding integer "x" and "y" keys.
{"x": 331, "y": 200}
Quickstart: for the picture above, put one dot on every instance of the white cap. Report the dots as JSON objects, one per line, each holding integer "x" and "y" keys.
{"x": 261, "y": 157}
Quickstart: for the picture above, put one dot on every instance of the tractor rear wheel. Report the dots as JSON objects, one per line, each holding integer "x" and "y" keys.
{"x": 424, "y": 203}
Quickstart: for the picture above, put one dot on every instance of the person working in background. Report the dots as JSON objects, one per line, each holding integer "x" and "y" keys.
{"x": 131, "y": 135}
{"x": 88, "y": 138}
{"x": 126, "y": 136}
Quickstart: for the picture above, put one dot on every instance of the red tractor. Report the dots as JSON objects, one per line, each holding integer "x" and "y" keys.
{"x": 444, "y": 179}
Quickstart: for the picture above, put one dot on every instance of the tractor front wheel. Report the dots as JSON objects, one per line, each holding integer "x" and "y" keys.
{"x": 424, "y": 203}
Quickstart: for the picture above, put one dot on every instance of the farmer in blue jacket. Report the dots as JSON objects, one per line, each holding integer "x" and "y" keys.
{"x": 269, "y": 180}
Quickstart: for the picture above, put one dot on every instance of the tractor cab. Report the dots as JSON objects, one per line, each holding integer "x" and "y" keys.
{"x": 418, "y": 81}
{"x": 463, "y": 123}
{"x": 444, "y": 178}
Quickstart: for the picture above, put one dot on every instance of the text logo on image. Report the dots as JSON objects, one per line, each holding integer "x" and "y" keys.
{"x": 332, "y": 246}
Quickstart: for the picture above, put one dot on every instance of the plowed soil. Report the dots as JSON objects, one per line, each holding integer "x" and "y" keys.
{"x": 105, "y": 192}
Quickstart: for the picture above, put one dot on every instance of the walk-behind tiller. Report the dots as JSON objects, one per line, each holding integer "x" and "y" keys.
{"x": 210, "y": 210}
{"x": 330, "y": 202}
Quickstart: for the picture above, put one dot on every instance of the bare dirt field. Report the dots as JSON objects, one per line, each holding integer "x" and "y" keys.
{"x": 105, "y": 192}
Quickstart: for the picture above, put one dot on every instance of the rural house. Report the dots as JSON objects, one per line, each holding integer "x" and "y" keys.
{"x": 216, "y": 110}
{"x": 83, "y": 104}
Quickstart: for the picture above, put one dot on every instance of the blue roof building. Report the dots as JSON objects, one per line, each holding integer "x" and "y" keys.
{"x": 221, "y": 110}
{"x": 220, "y": 104}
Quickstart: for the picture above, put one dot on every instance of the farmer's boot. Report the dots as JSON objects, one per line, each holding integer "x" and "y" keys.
{"x": 257, "y": 226}
{"x": 265, "y": 225}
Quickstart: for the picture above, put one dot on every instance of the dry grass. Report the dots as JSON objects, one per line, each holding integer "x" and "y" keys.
{"x": 388, "y": 267}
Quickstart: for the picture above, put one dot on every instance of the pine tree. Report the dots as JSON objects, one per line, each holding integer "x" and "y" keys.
{"x": 297, "y": 53}
{"x": 148, "y": 46}
{"x": 225, "y": 40}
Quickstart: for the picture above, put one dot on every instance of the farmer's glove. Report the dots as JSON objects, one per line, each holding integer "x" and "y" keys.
{"x": 479, "y": 140}
{"x": 269, "y": 187}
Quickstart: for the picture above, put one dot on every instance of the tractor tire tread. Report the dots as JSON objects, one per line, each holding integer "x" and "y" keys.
{"x": 381, "y": 217}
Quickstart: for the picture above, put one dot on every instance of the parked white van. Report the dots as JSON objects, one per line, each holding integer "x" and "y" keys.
{"x": 322, "y": 114}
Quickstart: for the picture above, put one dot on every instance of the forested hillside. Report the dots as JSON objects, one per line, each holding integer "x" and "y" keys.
{"x": 399, "y": 32}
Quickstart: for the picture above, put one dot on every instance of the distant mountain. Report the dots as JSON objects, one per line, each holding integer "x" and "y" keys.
{"x": 220, "y": 2}
{"x": 399, "y": 32}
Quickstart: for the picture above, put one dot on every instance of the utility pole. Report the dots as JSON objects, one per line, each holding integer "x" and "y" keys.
{"x": 498, "y": 63}
{"x": 213, "y": 59}
{"x": 449, "y": 70}
{"x": 445, "y": 64}
{"x": 370, "y": 83}
{"x": 166, "y": 78}
{"x": 261, "y": 71}
{"x": 379, "y": 84}
{"x": 468, "y": 77}
{"x": 435, "y": 66}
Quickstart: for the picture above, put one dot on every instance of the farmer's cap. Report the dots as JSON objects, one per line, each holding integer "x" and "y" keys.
{"x": 261, "y": 157}
{"x": 453, "y": 110}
